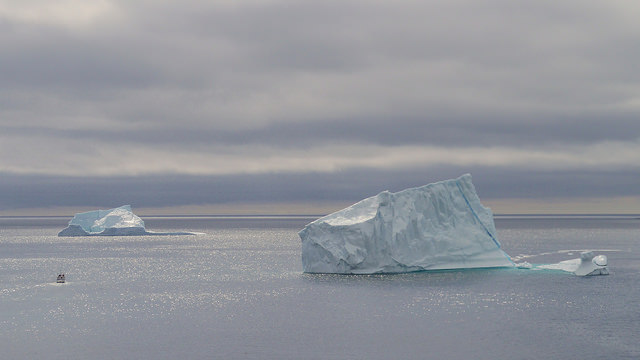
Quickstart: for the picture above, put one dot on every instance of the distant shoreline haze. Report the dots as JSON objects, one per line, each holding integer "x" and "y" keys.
{"x": 588, "y": 206}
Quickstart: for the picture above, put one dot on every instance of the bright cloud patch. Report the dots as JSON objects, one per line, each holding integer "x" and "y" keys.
{"x": 68, "y": 13}
{"x": 80, "y": 157}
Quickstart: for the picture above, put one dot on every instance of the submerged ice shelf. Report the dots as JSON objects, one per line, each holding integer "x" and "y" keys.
{"x": 120, "y": 221}
{"x": 438, "y": 226}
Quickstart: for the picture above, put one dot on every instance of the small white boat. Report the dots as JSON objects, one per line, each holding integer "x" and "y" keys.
{"x": 60, "y": 279}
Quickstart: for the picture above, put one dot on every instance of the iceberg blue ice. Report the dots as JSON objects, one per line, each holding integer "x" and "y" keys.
{"x": 120, "y": 221}
{"x": 439, "y": 226}
{"x": 433, "y": 227}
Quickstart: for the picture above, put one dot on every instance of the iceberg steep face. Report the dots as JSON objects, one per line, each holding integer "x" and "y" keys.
{"x": 113, "y": 222}
{"x": 437, "y": 226}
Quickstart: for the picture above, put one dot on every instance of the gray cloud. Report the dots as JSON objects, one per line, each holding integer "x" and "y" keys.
{"x": 24, "y": 191}
{"x": 281, "y": 78}
{"x": 445, "y": 131}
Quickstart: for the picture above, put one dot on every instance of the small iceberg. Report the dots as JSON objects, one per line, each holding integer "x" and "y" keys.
{"x": 587, "y": 265}
{"x": 120, "y": 221}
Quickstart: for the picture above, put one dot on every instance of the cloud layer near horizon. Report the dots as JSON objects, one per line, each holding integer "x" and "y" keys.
{"x": 306, "y": 92}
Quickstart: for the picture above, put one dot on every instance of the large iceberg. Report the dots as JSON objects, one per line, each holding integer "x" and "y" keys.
{"x": 433, "y": 227}
{"x": 120, "y": 221}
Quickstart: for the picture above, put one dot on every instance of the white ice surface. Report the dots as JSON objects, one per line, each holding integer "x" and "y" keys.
{"x": 437, "y": 226}
{"x": 587, "y": 265}
{"x": 120, "y": 221}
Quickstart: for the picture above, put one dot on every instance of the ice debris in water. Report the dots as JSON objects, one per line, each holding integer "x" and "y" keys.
{"x": 587, "y": 265}
{"x": 119, "y": 221}
{"x": 437, "y": 226}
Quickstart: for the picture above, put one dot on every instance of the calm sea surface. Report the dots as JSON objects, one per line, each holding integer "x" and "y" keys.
{"x": 237, "y": 292}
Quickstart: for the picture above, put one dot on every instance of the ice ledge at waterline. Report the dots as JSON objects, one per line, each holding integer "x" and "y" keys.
{"x": 437, "y": 226}
{"x": 119, "y": 221}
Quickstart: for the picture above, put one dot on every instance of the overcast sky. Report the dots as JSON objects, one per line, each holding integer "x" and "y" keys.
{"x": 177, "y": 103}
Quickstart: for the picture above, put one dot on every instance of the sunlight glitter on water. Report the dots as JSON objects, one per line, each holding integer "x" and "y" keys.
{"x": 239, "y": 285}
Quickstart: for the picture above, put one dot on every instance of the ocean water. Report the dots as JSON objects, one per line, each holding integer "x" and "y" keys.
{"x": 237, "y": 292}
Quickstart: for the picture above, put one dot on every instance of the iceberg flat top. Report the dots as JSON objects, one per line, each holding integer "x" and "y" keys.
{"x": 437, "y": 226}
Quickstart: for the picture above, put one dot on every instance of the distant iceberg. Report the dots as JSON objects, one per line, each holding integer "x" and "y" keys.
{"x": 439, "y": 226}
{"x": 434, "y": 227}
{"x": 120, "y": 221}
